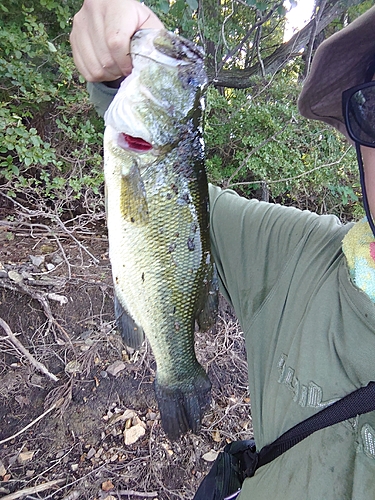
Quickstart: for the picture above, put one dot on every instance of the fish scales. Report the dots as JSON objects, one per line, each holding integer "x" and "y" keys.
{"x": 157, "y": 215}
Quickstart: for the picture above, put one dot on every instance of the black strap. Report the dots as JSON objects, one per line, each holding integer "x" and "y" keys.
{"x": 360, "y": 401}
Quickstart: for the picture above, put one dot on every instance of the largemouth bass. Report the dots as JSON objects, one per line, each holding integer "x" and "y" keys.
{"x": 158, "y": 221}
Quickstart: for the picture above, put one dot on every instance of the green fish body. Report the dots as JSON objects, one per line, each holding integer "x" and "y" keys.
{"x": 158, "y": 219}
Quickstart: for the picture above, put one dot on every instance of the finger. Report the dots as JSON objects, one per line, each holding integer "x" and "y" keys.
{"x": 90, "y": 51}
{"x": 119, "y": 40}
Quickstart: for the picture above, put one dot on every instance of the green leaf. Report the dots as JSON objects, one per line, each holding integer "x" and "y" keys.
{"x": 51, "y": 47}
{"x": 281, "y": 10}
{"x": 193, "y": 4}
{"x": 15, "y": 170}
{"x": 164, "y": 6}
{"x": 261, "y": 5}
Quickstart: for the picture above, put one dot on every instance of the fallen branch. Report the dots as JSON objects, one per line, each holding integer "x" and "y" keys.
{"x": 33, "y": 489}
{"x": 22, "y": 349}
{"x": 42, "y": 298}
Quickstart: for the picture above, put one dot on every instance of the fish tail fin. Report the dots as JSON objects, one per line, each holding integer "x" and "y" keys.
{"x": 131, "y": 333}
{"x": 182, "y": 408}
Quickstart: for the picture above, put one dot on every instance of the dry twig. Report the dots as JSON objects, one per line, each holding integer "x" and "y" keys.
{"x": 33, "y": 489}
{"x": 30, "y": 425}
{"x": 141, "y": 494}
{"x": 42, "y": 298}
{"x": 22, "y": 349}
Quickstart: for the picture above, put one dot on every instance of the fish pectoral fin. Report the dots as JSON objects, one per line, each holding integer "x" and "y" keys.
{"x": 182, "y": 407}
{"x": 131, "y": 333}
{"x": 134, "y": 207}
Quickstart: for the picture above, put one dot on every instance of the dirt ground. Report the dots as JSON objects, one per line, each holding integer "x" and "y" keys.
{"x": 84, "y": 422}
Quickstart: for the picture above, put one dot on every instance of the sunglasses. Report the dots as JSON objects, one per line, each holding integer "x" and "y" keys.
{"x": 358, "y": 107}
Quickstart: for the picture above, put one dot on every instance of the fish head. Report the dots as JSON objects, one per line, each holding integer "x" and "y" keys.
{"x": 162, "y": 94}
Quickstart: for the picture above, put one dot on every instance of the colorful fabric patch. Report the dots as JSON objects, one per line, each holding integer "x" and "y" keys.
{"x": 359, "y": 249}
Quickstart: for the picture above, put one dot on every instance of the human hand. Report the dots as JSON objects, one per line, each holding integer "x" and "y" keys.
{"x": 101, "y": 34}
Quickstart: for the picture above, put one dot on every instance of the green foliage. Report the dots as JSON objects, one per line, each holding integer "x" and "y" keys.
{"x": 259, "y": 140}
{"x": 50, "y": 140}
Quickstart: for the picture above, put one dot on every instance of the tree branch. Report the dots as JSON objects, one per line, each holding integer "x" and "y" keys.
{"x": 241, "y": 78}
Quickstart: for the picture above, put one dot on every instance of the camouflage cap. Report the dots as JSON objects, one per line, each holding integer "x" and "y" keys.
{"x": 340, "y": 62}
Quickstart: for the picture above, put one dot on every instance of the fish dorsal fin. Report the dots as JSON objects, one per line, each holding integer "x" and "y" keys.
{"x": 131, "y": 333}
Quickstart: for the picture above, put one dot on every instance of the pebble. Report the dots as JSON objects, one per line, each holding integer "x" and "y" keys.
{"x": 14, "y": 276}
{"x": 91, "y": 453}
{"x": 36, "y": 260}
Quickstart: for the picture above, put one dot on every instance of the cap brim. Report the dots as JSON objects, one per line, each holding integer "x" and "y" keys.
{"x": 340, "y": 62}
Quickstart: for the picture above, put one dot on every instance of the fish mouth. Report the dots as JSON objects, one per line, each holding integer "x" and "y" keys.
{"x": 135, "y": 144}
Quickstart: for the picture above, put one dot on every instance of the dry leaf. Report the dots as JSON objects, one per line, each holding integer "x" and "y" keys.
{"x": 133, "y": 434}
{"x": 73, "y": 367}
{"x": 25, "y": 456}
{"x": 3, "y": 470}
{"x": 216, "y": 436}
{"x": 107, "y": 485}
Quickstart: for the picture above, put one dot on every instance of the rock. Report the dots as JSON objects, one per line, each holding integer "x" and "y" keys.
{"x": 56, "y": 259}
{"x": 58, "y": 298}
{"x": 132, "y": 435}
{"x": 91, "y": 453}
{"x": 14, "y": 276}
{"x": 36, "y": 260}
{"x": 3, "y": 470}
{"x": 210, "y": 456}
{"x": 116, "y": 368}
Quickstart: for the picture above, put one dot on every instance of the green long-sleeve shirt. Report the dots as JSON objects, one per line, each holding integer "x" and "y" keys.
{"x": 310, "y": 340}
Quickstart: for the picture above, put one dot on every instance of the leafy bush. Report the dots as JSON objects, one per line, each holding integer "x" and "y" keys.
{"x": 258, "y": 140}
{"x": 50, "y": 138}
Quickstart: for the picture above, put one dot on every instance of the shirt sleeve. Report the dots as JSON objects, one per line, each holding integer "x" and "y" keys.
{"x": 252, "y": 241}
{"x": 101, "y": 96}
